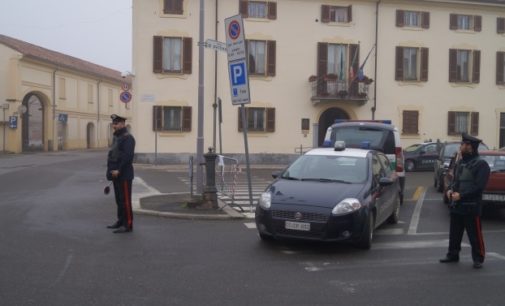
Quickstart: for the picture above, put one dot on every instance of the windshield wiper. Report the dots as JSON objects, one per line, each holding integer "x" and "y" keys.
{"x": 326, "y": 180}
{"x": 290, "y": 178}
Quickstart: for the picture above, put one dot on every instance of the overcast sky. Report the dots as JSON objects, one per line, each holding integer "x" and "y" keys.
{"x": 98, "y": 31}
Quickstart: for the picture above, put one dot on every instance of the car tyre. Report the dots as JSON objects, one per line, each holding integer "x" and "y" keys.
{"x": 365, "y": 241}
{"x": 395, "y": 216}
{"x": 266, "y": 238}
{"x": 410, "y": 165}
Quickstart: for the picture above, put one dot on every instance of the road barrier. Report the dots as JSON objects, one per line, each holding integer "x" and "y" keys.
{"x": 227, "y": 170}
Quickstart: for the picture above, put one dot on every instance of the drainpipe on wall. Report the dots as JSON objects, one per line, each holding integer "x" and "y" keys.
{"x": 98, "y": 113}
{"x": 374, "y": 108}
{"x": 52, "y": 143}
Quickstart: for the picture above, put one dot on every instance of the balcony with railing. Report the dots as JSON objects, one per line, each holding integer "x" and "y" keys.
{"x": 329, "y": 88}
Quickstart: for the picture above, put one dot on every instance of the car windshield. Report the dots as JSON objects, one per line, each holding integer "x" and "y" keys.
{"x": 328, "y": 169}
{"x": 357, "y": 136}
{"x": 496, "y": 163}
{"x": 412, "y": 148}
{"x": 452, "y": 148}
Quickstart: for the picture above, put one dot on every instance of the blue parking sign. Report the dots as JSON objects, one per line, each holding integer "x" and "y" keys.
{"x": 13, "y": 122}
{"x": 238, "y": 74}
{"x": 239, "y": 82}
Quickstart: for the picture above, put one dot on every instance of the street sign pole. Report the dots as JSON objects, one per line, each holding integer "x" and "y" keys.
{"x": 199, "y": 139}
{"x": 246, "y": 145}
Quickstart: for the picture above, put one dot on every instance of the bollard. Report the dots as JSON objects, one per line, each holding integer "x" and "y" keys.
{"x": 210, "y": 190}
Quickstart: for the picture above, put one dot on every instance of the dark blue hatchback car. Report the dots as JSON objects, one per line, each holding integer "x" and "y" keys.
{"x": 330, "y": 195}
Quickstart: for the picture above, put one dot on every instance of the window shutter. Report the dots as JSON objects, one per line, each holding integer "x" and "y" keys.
{"x": 322, "y": 66}
{"x": 474, "y": 127}
{"x": 178, "y": 7}
{"x": 451, "y": 123}
{"x": 270, "y": 119}
{"x": 354, "y": 55}
{"x": 410, "y": 122}
{"x": 424, "y": 64}
{"x": 349, "y": 13}
{"x": 157, "y": 54}
{"x": 243, "y": 9}
{"x": 453, "y": 22}
{"x": 187, "y": 50}
{"x": 157, "y": 118}
{"x": 399, "y": 64}
{"x": 186, "y": 118}
{"x": 271, "y": 57}
{"x": 167, "y": 6}
{"x": 453, "y": 65}
{"x": 325, "y": 13}
{"x": 272, "y": 10}
{"x": 399, "y": 18}
{"x": 477, "y": 23}
{"x": 500, "y": 25}
{"x": 500, "y": 57}
{"x": 476, "y": 66}
{"x": 425, "y": 20}
{"x": 240, "y": 117}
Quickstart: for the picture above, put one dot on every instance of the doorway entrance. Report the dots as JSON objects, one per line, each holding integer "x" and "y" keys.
{"x": 327, "y": 118}
{"x": 33, "y": 123}
{"x": 90, "y": 135}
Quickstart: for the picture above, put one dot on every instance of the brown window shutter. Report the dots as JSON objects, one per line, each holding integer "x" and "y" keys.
{"x": 157, "y": 54}
{"x": 500, "y": 25}
{"x": 451, "y": 123}
{"x": 453, "y": 65}
{"x": 349, "y": 13}
{"x": 240, "y": 129}
{"x": 179, "y": 7}
{"x": 424, "y": 64}
{"x": 474, "y": 126}
{"x": 477, "y": 23}
{"x": 186, "y": 118}
{"x": 270, "y": 119}
{"x": 157, "y": 118}
{"x": 187, "y": 51}
{"x": 271, "y": 57}
{"x": 453, "y": 25}
{"x": 399, "y": 64}
{"x": 399, "y": 18}
{"x": 272, "y": 10}
{"x": 167, "y": 6}
{"x": 243, "y": 8}
{"x": 410, "y": 122}
{"x": 425, "y": 20}
{"x": 325, "y": 13}
{"x": 322, "y": 66}
{"x": 500, "y": 78}
{"x": 476, "y": 66}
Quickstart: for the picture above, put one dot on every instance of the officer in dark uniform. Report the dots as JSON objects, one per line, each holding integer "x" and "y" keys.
{"x": 465, "y": 192}
{"x": 120, "y": 172}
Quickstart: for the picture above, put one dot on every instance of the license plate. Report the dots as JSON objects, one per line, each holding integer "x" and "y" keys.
{"x": 493, "y": 197}
{"x": 297, "y": 226}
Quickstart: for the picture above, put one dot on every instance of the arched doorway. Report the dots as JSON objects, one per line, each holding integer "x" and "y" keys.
{"x": 90, "y": 135}
{"x": 33, "y": 123}
{"x": 327, "y": 118}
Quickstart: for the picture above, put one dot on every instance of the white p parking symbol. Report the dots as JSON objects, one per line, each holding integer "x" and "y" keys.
{"x": 237, "y": 74}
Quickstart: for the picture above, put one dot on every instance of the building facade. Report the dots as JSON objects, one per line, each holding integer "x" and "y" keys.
{"x": 52, "y": 101}
{"x": 434, "y": 68}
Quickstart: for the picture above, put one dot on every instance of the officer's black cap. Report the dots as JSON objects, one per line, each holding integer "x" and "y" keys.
{"x": 474, "y": 141}
{"x": 116, "y": 118}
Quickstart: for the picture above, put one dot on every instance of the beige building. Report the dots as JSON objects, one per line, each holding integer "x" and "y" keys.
{"x": 52, "y": 101}
{"x": 434, "y": 68}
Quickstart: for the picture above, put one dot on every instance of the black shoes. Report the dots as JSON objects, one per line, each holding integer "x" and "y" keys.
{"x": 122, "y": 229}
{"x": 477, "y": 265}
{"x": 449, "y": 259}
{"x": 115, "y": 225}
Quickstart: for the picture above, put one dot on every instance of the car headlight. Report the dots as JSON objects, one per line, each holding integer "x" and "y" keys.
{"x": 346, "y": 206}
{"x": 265, "y": 200}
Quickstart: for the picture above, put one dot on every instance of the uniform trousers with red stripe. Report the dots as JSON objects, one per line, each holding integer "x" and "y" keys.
{"x": 123, "y": 194}
{"x": 473, "y": 227}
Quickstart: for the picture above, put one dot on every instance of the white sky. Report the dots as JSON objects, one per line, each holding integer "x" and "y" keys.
{"x": 98, "y": 31}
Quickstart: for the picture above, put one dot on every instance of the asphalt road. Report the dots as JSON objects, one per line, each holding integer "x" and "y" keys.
{"x": 55, "y": 250}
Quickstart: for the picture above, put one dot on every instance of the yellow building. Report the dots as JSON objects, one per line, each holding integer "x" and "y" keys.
{"x": 52, "y": 101}
{"x": 435, "y": 68}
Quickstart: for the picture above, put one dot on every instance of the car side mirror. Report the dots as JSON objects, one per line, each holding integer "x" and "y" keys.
{"x": 385, "y": 181}
{"x": 276, "y": 174}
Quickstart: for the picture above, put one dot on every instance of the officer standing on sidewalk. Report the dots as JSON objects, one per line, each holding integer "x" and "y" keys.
{"x": 120, "y": 172}
{"x": 465, "y": 192}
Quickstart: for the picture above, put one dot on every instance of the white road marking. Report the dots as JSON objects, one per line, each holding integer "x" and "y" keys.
{"x": 414, "y": 221}
{"x": 70, "y": 256}
{"x": 495, "y": 255}
{"x": 414, "y": 244}
{"x": 250, "y": 225}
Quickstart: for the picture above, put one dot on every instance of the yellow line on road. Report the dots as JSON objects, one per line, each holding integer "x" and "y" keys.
{"x": 417, "y": 193}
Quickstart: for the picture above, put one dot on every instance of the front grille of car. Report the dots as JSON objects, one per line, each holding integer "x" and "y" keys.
{"x": 306, "y": 216}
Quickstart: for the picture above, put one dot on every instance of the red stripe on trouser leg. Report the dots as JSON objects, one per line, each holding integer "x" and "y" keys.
{"x": 479, "y": 237}
{"x": 127, "y": 204}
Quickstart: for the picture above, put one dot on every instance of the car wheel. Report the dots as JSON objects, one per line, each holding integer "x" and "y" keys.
{"x": 439, "y": 185}
{"x": 266, "y": 238}
{"x": 365, "y": 241}
{"x": 409, "y": 165}
{"x": 395, "y": 216}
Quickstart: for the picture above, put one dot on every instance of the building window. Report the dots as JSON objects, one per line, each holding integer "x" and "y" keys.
{"x": 173, "y": 7}
{"x": 462, "y": 122}
{"x": 337, "y": 68}
{"x": 464, "y": 66}
{"x": 259, "y": 119}
{"x": 258, "y": 9}
{"x": 339, "y": 14}
{"x": 500, "y": 68}
{"x": 413, "y": 19}
{"x": 465, "y": 22}
{"x": 410, "y": 122}
{"x": 172, "y": 118}
{"x": 62, "y": 92}
{"x": 411, "y": 64}
{"x": 172, "y": 54}
{"x": 261, "y": 57}
{"x": 110, "y": 97}
{"x": 500, "y": 25}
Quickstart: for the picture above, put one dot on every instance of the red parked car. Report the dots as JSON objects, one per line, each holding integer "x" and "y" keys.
{"x": 494, "y": 193}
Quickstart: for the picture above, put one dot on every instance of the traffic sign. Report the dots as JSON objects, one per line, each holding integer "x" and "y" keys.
{"x": 125, "y": 96}
{"x": 239, "y": 82}
{"x": 235, "y": 38}
{"x": 125, "y": 87}
{"x": 13, "y": 122}
{"x": 214, "y": 44}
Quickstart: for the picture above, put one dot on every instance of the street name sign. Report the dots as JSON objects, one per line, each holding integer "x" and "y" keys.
{"x": 215, "y": 45}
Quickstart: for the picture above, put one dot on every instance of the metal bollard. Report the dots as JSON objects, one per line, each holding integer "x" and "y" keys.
{"x": 210, "y": 190}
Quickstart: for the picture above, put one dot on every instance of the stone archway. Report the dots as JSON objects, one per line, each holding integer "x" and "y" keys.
{"x": 327, "y": 118}
{"x": 90, "y": 135}
{"x": 33, "y": 133}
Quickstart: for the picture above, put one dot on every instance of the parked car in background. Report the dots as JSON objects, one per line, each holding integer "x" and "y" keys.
{"x": 421, "y": 156}
{"x": 494, "y": 193}
{"x": 332, "y": 195}
{"x": 448, "y": 150}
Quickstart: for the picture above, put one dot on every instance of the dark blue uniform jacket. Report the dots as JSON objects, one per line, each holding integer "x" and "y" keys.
{"x": 121, "y": 154}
